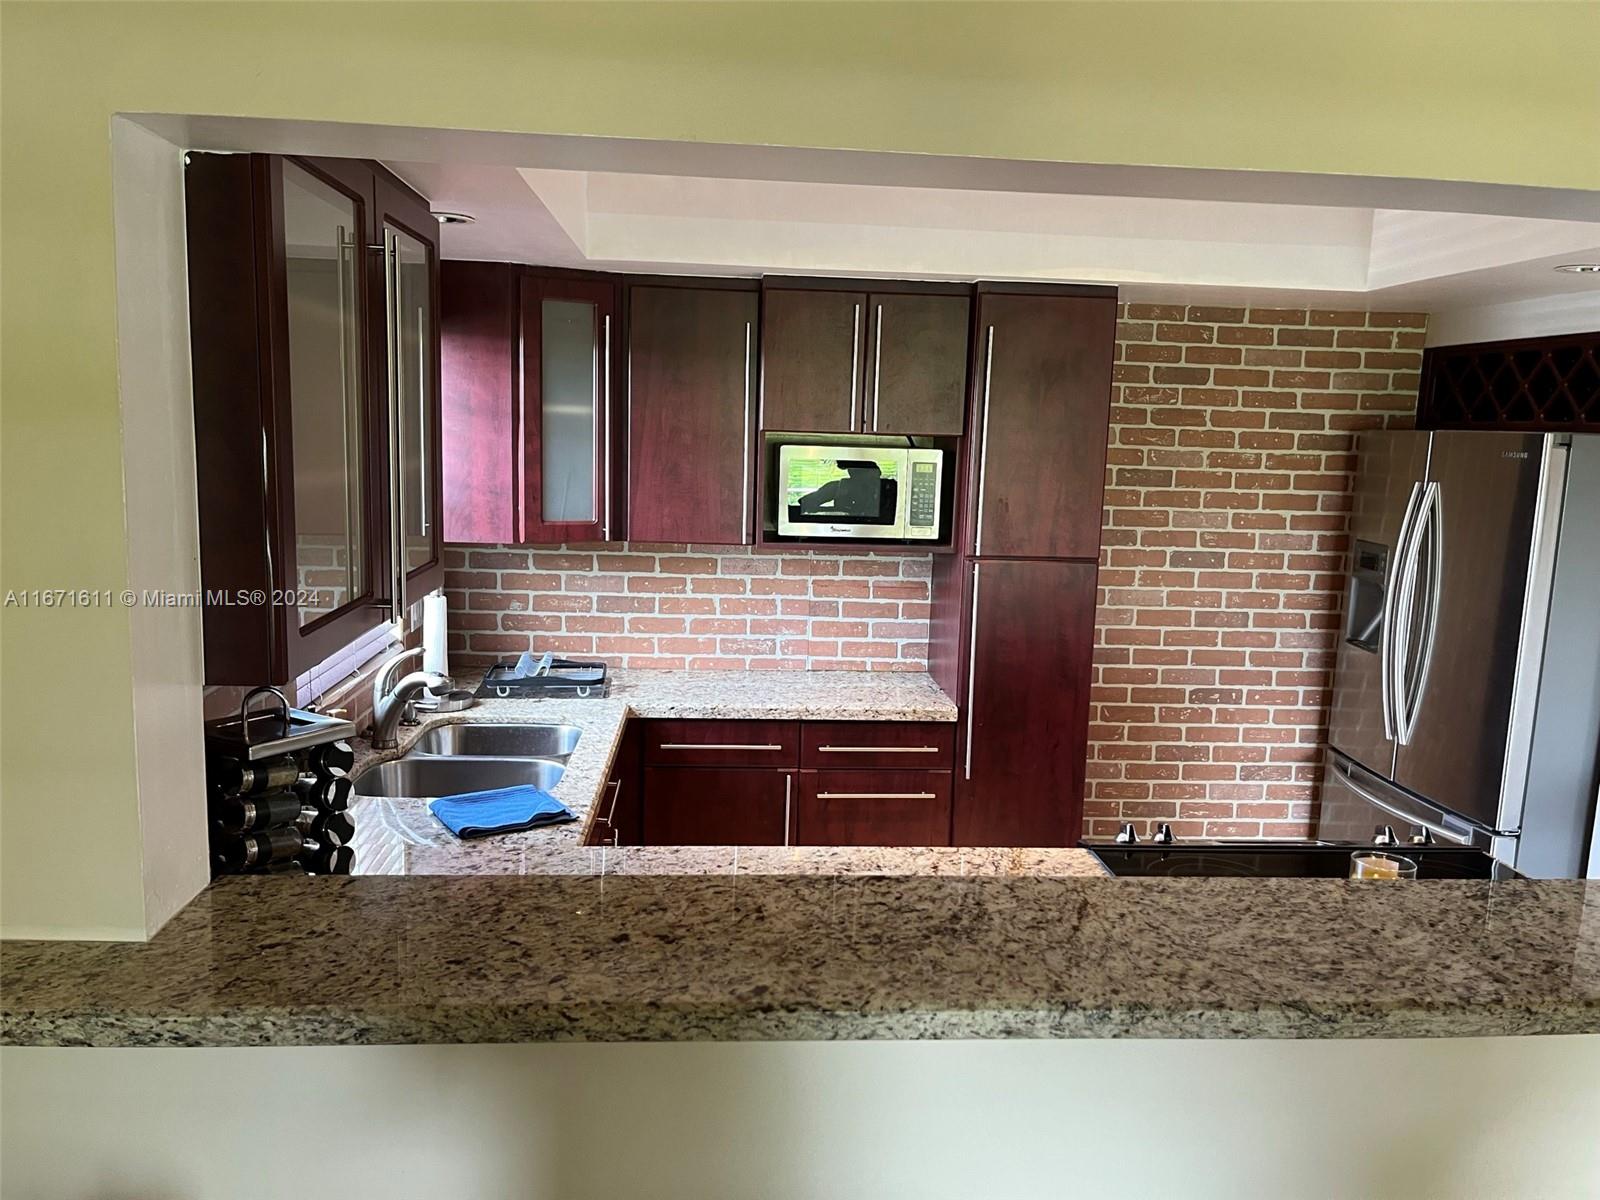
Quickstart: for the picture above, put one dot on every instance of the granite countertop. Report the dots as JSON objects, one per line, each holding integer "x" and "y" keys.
{"x": 280, "y": 960}
{"x": 534, "y": 937}
{"x": 388, "y": 831}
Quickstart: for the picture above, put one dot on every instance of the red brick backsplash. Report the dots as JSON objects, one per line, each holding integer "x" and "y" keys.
{"x": 1227, "y": 496}
{"x": 1227, "y": 490}
{"x": 690, "y": 607}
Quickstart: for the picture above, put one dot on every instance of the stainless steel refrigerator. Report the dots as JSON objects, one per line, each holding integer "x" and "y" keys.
{"x": 1466, "y": 689}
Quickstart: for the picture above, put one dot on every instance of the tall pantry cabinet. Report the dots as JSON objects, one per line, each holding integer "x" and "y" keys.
{"x": 1013, "y": 609}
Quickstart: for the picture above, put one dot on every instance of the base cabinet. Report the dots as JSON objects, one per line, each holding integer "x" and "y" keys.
{"x": 873, "y": 808}
{"x": 785, "y": 783}
{"x": 717, "y": 806}
{"x": 620, "y": 821}
{"x": 1019, "y": 781}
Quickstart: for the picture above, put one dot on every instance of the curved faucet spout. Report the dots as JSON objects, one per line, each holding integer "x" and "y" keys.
{"x": 389, "y": 703}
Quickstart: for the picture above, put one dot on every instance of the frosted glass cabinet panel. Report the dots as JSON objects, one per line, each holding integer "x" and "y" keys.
{"x": 569, "y": 403}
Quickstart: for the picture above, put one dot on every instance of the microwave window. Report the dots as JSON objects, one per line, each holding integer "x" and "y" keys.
{"x": 854, "y": 491}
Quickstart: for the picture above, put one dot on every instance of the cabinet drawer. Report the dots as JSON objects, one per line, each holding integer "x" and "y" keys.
{"x": 898, "y": 745}
{"x": 873, "y": 808}
{"x": 708, "y": 806}
{"x": 723, "y": 743}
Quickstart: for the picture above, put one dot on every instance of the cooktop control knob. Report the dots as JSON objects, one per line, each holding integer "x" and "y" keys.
{"x": 1163, "y": 835}
{"x": 1384, "y": 835}
{"x": 1126, "y": 836}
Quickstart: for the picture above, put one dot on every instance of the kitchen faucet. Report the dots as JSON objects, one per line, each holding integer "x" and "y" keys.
{"x": 389, "y": 704}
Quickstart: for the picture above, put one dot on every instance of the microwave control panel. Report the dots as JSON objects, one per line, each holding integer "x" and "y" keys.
{"x": 922, "y": 503}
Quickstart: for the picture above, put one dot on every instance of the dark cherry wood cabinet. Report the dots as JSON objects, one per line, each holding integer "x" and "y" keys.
{"x": 873, "y": 808}
{"x": 1029, "y": 646}
{"x": 898, "y": 745}
{"x": 838, "y": 357}
{"x": 691, "y": 419}
{"x": 696, "y": 743}
{"x": 480, "y": 306}
{"x": 529, "y": 402}
{"x": 916, "y": 364}
{"x": 718, "y": 806}
{"x": 812, "y": 345}
{"x": 880, "y": 783}
{"x": 1042, "y": 374}
{"x": 620, "y": 819}
{"x": 313, "y": 302}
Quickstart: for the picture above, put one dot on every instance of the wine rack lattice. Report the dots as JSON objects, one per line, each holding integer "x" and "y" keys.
{"x": 1536, "y": 384}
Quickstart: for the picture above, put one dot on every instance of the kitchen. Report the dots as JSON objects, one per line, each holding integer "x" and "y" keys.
{"x": 851, "y": 616}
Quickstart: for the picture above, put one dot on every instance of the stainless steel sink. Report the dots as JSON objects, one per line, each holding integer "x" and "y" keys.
{"x": 500, "y": 741}
{"x": 425, "y": 777}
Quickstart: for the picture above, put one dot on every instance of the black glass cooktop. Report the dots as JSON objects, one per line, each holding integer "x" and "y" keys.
{"x": 1295, "y": 861}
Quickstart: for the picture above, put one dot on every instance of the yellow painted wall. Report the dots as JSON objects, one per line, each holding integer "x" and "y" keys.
{"x": 1487, "y": 92}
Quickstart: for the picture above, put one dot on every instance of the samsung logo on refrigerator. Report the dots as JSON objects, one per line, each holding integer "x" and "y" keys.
{"x": 1513, "y": 454}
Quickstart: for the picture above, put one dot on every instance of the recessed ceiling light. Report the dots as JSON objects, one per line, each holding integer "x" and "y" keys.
{"x": 1580, "y": 268}
{"x": 447, "y": 218}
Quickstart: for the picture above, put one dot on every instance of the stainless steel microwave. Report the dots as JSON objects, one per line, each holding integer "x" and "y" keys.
{"x": 889, "y": 493}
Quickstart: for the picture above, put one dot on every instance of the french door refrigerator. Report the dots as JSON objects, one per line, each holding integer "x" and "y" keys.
{"x": 1466, "y": 689}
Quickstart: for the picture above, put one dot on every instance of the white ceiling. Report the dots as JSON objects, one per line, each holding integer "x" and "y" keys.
{"x": 1159, "y": 233}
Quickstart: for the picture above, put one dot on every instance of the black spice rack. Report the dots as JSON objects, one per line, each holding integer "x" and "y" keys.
{"x": 278, "y": 791}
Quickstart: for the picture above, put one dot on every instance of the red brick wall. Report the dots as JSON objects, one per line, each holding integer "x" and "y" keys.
{"x": 1226, "y": 507}
{"x": 690, "y": 607}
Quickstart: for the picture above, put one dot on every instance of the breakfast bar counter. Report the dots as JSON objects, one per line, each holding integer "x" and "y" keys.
{"x": 1022, "y": 944}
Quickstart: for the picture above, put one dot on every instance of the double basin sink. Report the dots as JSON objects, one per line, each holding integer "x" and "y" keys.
{"x": 450, "y": 759}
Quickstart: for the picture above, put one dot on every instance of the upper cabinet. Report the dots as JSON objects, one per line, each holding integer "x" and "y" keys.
{"x": 315, "y": 371}
{"x": 408, "y": 238}
{"x": 691, "y": 392}
{"x": 836, "y": 360}
{"x": 916, "y": 363}
{"x": 811, "y": 347}
{"x": 530, "y": 446}
{"x": 1043, "y": 375}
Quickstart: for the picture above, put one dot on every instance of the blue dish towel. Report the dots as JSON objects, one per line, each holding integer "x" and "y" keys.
{"x": 501, "y": 810}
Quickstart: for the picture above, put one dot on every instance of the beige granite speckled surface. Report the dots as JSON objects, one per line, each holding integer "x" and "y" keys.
{"x": 701, "y": 695}
{"x": 500, "y": 958}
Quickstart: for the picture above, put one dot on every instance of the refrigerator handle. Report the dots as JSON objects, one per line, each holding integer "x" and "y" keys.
{"x": 1388, "y": 639}
{"x": 1431, "y": 528}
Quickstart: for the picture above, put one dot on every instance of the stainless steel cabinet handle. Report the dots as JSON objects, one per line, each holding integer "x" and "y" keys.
{"x": 788, "y": 805}
{"x": 422, "y": 418}
{"x": 744, "y": 500}
{"x": 877, "y": 366}
{"x": 972, "y": 664}
{"x": 391, "y": 297}
{"x": 712, "y": 746}
{"x": 616, "y": 790}
{"x": 878, "y": 749}
{"x": 349, "y": 389}
{"x": 877, "y": 796}
{"x": 983, "y": 440}
{"x": 855, "y": 363}
{"x": 604, "y": 406}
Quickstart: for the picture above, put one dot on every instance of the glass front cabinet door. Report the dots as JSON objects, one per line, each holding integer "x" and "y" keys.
{"x": 313, "y": 306}
{"x": 409, "y": 244}
{"x": 567, "y": 343}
